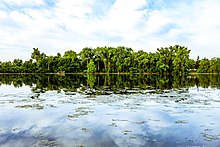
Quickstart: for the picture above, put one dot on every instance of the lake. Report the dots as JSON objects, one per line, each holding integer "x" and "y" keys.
{"x": 109, "y": 110}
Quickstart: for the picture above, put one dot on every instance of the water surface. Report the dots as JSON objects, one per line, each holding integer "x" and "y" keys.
{"x": 116, "y": 110}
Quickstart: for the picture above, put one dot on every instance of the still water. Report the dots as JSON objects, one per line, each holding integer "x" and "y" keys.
{"x": 115, "y": 110}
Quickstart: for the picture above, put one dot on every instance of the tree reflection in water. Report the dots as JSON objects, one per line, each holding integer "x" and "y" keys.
{"x": 106, "y": 84}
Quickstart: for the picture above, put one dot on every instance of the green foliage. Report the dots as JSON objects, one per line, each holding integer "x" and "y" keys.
{"x": 91, "y": 68}
{"x": 169, "y": 60}
{"x": 214, "y": 65}
{"x": 204, "y": 66}
{"x": 174, "y": 59}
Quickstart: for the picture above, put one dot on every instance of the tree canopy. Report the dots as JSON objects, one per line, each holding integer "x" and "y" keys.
{"x": 169, "y": 60}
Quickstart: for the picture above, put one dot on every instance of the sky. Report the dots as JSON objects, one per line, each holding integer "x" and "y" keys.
{"x": 59, "y": 25}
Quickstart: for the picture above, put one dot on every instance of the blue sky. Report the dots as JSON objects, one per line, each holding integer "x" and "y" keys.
{"x": 60, "y": 25}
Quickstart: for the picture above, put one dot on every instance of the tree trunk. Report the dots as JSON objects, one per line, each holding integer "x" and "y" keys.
{"x": 98, "y": 65}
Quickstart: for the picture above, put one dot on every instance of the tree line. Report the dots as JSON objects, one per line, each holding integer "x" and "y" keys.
{"x": 169, "y": 60}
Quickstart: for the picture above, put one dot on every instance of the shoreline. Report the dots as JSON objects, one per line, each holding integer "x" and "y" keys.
{"x": 103, "y": 73}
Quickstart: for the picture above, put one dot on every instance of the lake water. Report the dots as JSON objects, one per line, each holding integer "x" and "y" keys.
{"x": 115, "y": 110}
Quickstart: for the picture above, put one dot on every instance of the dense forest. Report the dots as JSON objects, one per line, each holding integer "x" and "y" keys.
{"x": 168, "y": 60}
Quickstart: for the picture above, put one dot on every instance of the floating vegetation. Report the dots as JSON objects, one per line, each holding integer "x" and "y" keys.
{"x": 51, "y": 106}
{"x": 38, "y": 91}
{"x": 79, "y": 146}
{"x": 126, "y": 132}
{"x": 119, "y": 120}
{"x": 139, "y": 137}
{"x": 70, "y": 93}
{"x": 113, "y": 125}
{"x": 79, "y": 112}
{"x": 180, "y": 100}
{"x": 181, "y": 122}
{"x": 85, "y": 129}
{"x": 139, "y": 122}
{"x": 210, "y": 137}
{"x": 38, "y": 134}
{"x": 46, "y": 143}
{"x": 34, "y": 106}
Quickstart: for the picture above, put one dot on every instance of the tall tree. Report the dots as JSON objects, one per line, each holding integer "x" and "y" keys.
{"x": 91, "y": 68}
{"x": 86, "y": 55}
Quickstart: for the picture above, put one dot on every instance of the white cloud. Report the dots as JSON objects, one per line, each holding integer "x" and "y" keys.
{"x": 74, "y": 8}
{"x": 122, "y": 19}
{"x": 24, "y": 2}
{"x": 3, "y": 15}
{"x": 203, "y": 25}
{"x": 156, "y": 21}
{"x": 77, "y": 24}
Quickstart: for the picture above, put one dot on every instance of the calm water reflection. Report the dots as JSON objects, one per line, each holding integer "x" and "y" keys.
{"x": 80, "y": 110}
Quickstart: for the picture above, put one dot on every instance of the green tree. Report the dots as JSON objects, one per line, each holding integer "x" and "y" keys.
{"x": 204, "y": 66}
{"x": 36, "y": 55}
{"x": 86, "y": 55}
{"x": 29, "y": 66}
{"x": 17, "y": 65}
{"x": 91, "y": 68}
{"x": 181, "y": 60}
{"x": 214, "y": 65}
